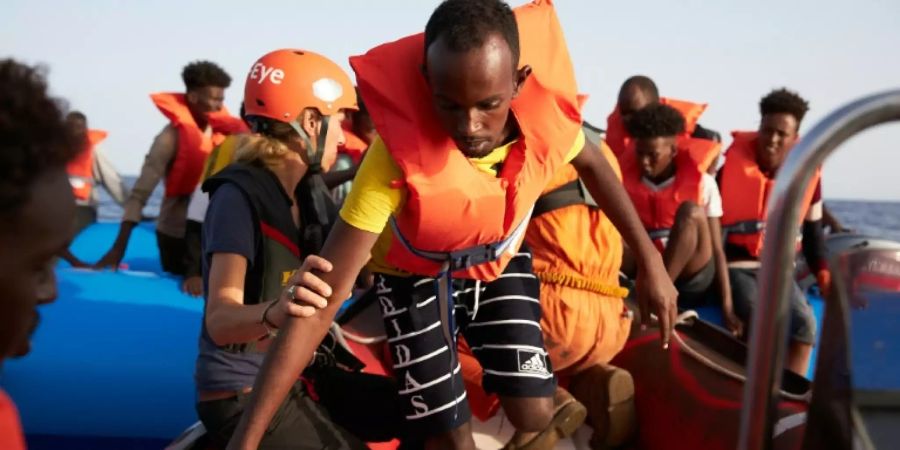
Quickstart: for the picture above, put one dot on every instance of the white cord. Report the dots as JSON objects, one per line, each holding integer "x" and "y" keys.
{"x": 364, "y": 340}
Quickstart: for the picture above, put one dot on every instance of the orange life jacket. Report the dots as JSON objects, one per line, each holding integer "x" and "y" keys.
{"x": 457, "y": 218}
{"x": 657, "y": 209}
{"x": 745, "y": 194}
{"x": 11, "y": 435}
{"x": 193, "y": 144}
{"x": 704, "y": 151}
{"x": 354, "y": 146}
{"x": 618, "y": 139}
{"x": 81, "y": 168}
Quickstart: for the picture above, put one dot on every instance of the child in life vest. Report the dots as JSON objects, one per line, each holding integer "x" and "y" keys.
{"x": 680, "y": 206}
{"x": 475, "y": 117}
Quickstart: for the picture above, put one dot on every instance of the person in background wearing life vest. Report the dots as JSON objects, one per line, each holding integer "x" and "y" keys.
{"x": 745, "y": 181}
{"x": 218, "y": 159}
{"x": 640, "y": 91}
{"x": 87, "y": 171}
{"x": 680, "y": 206}
{"x": 198, "y": 121}
{"x": 253, "y": 239}
{"x": 37, "y": 211}
{"x": 469, "y": 138}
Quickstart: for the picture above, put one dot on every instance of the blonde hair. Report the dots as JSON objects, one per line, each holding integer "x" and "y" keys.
{"x": 270, "y": 146}
{"x": 269, "y": 149}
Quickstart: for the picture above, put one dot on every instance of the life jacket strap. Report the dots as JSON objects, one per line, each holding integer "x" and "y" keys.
{"x": 659, "y": 233}
{"x": 569, "y": 194}
{"x": 745, "y": 227}
{"x": 451, "y": 262}
{"x": 467, "y": 257}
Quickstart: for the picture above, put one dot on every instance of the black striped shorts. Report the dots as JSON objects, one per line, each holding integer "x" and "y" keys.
{"x": 501, "y": 323}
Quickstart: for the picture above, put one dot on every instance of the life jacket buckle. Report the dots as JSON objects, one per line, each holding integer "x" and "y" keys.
{"x": 463, "y": 259}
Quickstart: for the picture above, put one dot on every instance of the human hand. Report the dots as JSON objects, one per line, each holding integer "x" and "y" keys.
{"x": 305, "y": 293}
{"x": 193, "y": 286}
{"x": 111, "y": 259}
{"x": 733, "y": 322}
{"x": 656, "y": 293}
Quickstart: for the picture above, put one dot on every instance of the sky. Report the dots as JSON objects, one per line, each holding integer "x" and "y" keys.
{"x": 106, "y": 56}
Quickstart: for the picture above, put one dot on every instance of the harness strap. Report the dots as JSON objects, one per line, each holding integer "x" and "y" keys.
{"x": 451, "y": 262}
{"x": 745, "y": 227}
{"x": 569, "y": 194}
{"x": 659, "y": 233}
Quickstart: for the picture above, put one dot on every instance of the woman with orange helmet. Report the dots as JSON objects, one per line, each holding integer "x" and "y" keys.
{"x": 266, "y": 210}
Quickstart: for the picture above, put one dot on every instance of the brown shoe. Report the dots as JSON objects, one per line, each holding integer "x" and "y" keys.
{"x": 568, "y": 415}
{"x": 608, "y": 394}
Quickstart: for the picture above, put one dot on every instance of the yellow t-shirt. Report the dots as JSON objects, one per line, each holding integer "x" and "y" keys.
{"x": 372, "y": 200}
{"x": 221, "y": 156}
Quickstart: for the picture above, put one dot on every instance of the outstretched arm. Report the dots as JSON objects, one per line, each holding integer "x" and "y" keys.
{"x": 155, "y": 163}
{"x": 654, "y": 288}
{"x": 348, "y": 249}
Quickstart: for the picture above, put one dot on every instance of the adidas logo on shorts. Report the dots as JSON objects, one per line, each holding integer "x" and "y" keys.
{"x": 533, "y": 364}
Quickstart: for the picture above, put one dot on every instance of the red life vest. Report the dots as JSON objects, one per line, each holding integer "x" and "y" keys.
{"x": 11, "y": 435}
{"x": 81, "y": 169}
{"x": 745, "y": 194}
{"x": 657, "y": 208}
{"x": 193, "y": 144}
{"x": 704, "y": 151}
{"x": 454, "y": 212}
{"x": 618, "y": 139}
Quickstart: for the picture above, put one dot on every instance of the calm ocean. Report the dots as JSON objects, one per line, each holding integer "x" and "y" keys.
{"x": 881, "y": 219}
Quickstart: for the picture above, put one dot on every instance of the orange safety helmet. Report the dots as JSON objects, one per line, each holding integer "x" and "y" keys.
{"x": 283, "y": 83}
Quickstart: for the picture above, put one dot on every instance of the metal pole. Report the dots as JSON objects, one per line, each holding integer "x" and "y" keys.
{"x": 768, "y": 336}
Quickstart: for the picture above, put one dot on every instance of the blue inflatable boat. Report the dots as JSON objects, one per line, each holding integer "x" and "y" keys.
{"x": 113, "y": 360}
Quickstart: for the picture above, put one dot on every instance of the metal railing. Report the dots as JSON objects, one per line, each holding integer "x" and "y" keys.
{"x": 772, "y": 316}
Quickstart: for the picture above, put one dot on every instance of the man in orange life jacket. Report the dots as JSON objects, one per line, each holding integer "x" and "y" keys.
{"x": 87, "y": 171}
{"x": 680, "y": 207}
{"x": 640, "y": 91}
{"x": 745, "y": 181}
{"x": 469, "y": 138}
{"x": 198, "y": 123}
{"x": 37, "y": 213}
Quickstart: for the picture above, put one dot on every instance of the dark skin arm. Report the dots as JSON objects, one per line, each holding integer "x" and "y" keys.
{"x": 722, "y": 281}
{"x": 348, "y": 249}
{"x": 832, "y": 222}
{"x": 72, "y": 259}
{"x": 655, "y": 291}
{"x": 114, "y": 256}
